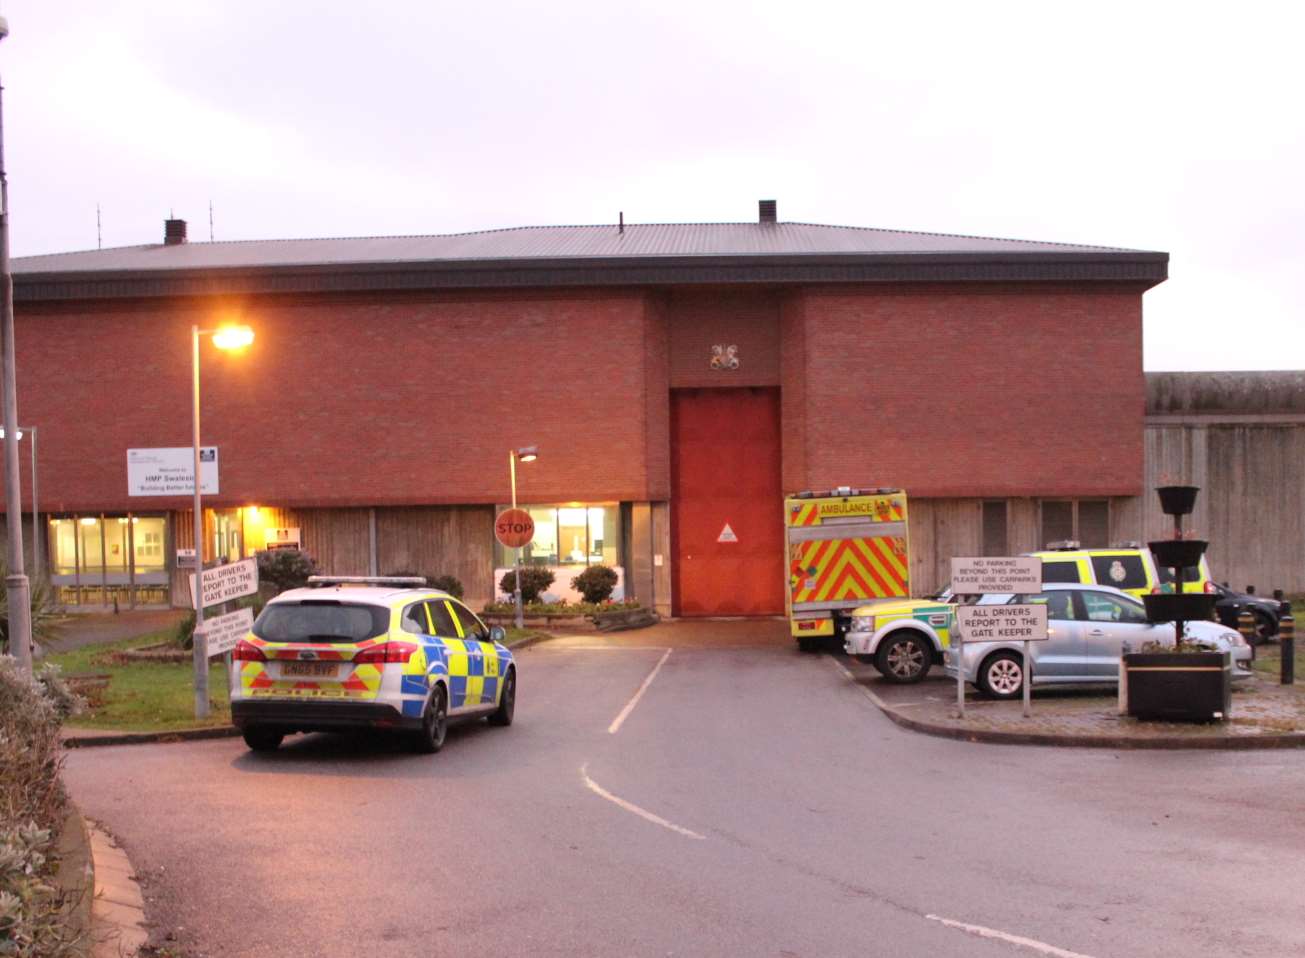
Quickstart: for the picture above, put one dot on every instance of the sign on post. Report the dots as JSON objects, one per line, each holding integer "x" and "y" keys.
{"x": 514, "y": 528}
{"x": 171, "y": 471}
{"x": 223, "y": 632}
{"x": 226, "y": 582}
{"x": 1000, "y": 574}
{"x": 996, "y": 575}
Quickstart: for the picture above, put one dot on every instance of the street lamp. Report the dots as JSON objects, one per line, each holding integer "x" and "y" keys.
{"x": 525, "y": 454}
{"x": 36, "y": 513}
{"x": 225, "y": 337}
{"x": 17, "y": 588}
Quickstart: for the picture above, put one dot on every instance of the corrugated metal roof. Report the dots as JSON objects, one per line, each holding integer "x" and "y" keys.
{"x": 544, "y": 243}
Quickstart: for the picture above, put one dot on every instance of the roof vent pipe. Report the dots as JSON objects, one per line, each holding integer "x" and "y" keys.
{"x": 174, "y": 232}
{"x": 766, "y": 211}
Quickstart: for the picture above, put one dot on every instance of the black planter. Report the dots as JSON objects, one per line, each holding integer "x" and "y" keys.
{"x": 1177, "y": 500}
{"x": 1178, "y": 552}
{"x": 1188, "y": 606}
{"x": 1179, "y": 686}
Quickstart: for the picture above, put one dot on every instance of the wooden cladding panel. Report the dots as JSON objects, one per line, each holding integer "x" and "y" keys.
{"x": 448, "y": 540}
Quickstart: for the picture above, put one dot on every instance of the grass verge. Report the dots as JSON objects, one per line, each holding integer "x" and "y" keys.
{"x": 158, "y": 697}
{"x": 139, "y": 696}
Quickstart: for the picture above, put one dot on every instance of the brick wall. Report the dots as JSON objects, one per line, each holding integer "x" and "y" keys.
{"x": 395, "y": 401}
{"x": 699, "y": 319}
{"x": 945, "y": 392}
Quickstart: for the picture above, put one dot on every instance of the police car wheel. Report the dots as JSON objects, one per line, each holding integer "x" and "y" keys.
{"x": 1002, "y": 676}
{"x": 263, "y": 739}
{"x": 507, "y": 702}
{"x": 903, "y": 658}
{"x": 434, "y": 724}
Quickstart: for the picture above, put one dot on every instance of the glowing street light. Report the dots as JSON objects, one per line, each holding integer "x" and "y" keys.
{"x": 228, "y": 338}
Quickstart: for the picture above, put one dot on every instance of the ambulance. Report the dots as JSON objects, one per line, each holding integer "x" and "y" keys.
{"x": 844, "y": 548}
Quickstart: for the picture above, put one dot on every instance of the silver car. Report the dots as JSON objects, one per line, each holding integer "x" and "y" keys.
{"x": 1087, "y": 627}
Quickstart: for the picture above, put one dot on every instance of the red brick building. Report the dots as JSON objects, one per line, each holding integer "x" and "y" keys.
{"x": 674, "y": 377}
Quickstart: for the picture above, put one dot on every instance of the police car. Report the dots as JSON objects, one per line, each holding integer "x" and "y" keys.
{"x": 368, "y": 652}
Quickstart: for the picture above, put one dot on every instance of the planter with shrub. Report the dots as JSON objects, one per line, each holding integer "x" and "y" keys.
{"x": 1187, "y": 681}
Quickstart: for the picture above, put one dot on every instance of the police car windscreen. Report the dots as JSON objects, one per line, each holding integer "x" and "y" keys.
{"x": 321, "y": 622}
{"x": 1122, "y": 572}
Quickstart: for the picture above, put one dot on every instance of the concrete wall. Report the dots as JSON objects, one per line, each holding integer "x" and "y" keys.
{"x": 1240, "y": 436}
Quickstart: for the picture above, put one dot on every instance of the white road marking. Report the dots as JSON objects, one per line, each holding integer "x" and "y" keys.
{"x": 1039, "y": 946}
{"x": 629, "y": 706}
{"x": 631, "y": 807}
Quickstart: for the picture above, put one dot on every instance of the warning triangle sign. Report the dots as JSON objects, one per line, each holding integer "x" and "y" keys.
{"x": 727, "y": 535}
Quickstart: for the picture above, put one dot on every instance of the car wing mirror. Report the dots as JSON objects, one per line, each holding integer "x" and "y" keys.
{"x": 497, "y": 633}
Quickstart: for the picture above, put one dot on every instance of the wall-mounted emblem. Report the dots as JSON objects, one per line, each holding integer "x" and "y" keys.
{"x": 724, "y": 357}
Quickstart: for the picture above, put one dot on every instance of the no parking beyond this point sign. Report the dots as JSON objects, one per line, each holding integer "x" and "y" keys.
{"x": 514, "y": 528}
{"x": 727, "y": 535}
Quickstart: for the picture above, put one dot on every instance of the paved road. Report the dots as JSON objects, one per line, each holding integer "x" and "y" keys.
{"x": 753, "y": 802}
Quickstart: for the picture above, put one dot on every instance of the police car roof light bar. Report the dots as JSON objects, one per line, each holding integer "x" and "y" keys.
{"x": 399, "y": 580}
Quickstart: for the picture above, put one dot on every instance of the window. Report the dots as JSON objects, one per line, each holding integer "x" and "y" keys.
{"x": 317, "y": 621}
{"x": 1085, "y": 520}
{"x": 1108, "y": 608}
{"x": 994, "y": 528}
{"x": 575, "y": 534}
{"x": 414, "y": 619}
{"x": 1066, "y": 571}
{"x": 1060, "y": 605}
{"x": 1122, "y": 572}
{"x": 471, "y": 626}
{"x": 439, "y": 615}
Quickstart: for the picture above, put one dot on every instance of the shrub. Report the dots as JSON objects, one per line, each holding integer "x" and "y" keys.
{"x": 447, "y": 583}
{"x": 595, "y": 583}
{"x": 34, "y": 913}
{"x": 534, "y": 581}
{"x": 285, "y": 569}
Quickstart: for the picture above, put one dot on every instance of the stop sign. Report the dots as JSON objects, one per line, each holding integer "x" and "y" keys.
{"x": 514, "y": 528}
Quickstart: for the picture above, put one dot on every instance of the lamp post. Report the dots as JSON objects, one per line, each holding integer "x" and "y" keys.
{"x": 36, "y": 513}
{"x": 525, "y": 454}
{"x": 227, "y": 337}
{"x": 17, "y": 588}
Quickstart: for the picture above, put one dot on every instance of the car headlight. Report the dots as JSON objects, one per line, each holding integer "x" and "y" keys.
{"x": 862, "y": 623}
{"x": 1236, "y": 639}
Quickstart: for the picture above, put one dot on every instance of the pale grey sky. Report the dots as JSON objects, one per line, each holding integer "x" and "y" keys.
{"x": 1161, "y": 126}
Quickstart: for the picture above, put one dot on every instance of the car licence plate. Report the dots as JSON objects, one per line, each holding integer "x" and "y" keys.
{"x": 312, "y": 670}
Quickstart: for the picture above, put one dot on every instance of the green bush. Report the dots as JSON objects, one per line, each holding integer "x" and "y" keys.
{"x": 34, "y": 912}
{"x": 595, "y": 583}
{"x": 185, "y": 634}
{"x": 445, "y": 583}
{"x": 283, "y": 569}
{"x": 535, "y": 580}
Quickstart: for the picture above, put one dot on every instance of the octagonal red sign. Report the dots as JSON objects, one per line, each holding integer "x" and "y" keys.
{"x": 514, "y": 528}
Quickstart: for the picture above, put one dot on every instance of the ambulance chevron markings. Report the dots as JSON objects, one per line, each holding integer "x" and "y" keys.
{"x": 835, "y": 569}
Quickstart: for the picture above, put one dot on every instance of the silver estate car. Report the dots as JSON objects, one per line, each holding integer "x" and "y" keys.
{"x": 1087, "y": 627}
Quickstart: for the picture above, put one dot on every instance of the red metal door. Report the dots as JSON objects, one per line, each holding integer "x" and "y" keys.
{"x": 727, "y": 506}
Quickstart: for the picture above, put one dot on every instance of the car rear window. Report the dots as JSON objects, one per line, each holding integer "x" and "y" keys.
{"x": 1191, "y": 573}
{"x": 1059, "y": 571}
{"x": 321, "y": 621}
{"x": 1122, "y": 572}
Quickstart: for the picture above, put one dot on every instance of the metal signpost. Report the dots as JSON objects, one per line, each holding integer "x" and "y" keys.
{"x": 995, "y": 575}
{"x": 1005, "y": 623}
